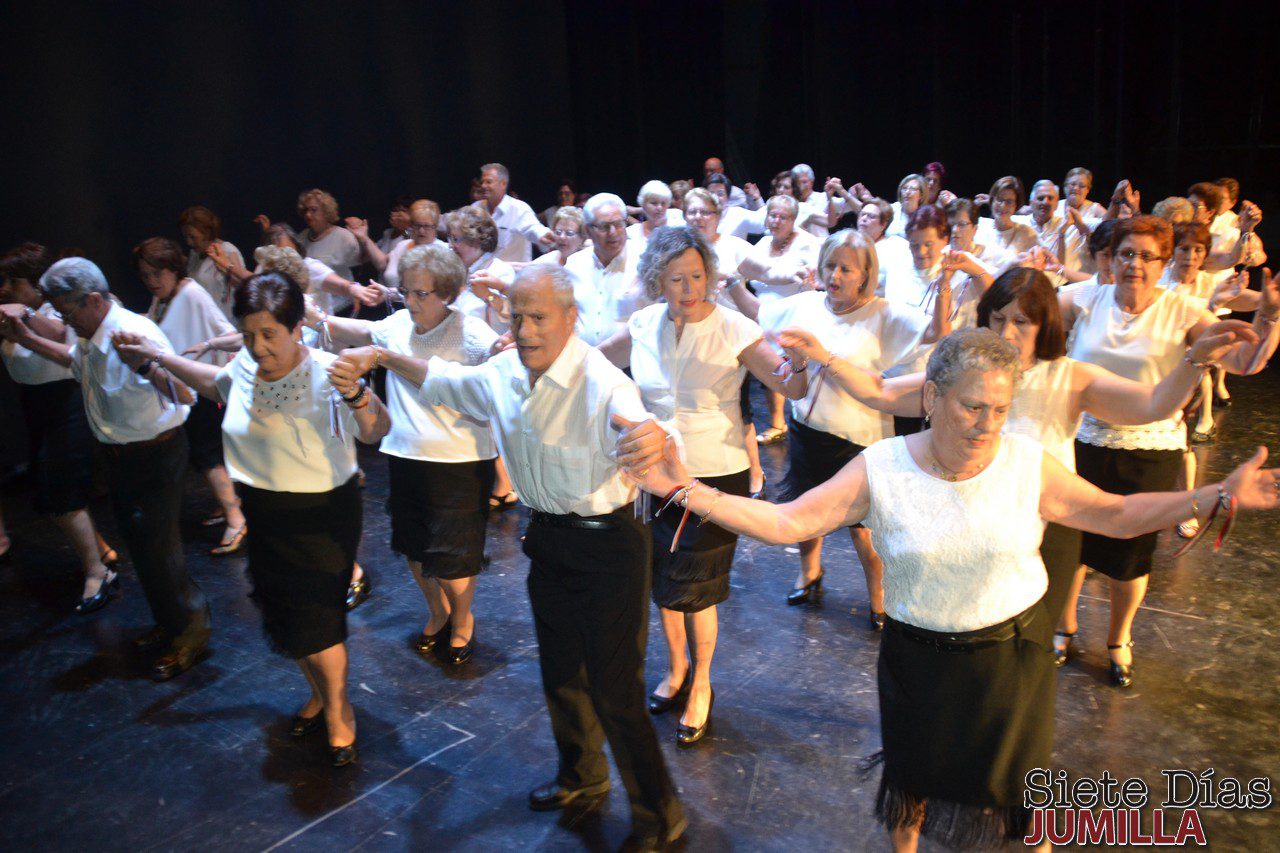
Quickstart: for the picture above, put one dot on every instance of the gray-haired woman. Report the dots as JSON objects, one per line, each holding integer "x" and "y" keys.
{"x": 689, "y": 356}
{"x": 957, "y": 512}
{"x": 441, "y": 464}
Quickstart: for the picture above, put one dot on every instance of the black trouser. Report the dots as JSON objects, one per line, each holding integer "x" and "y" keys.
{"x": 590, "y": 595}
{"x": 146, "y": 495}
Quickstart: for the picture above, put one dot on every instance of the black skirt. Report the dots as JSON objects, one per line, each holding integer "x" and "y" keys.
{"x": 302, "y": 550}
{"x": 696, "y": 576}
{"x": 60, "y": 446}
{"x": 1124, "y": 472}
{"x": 204, "y": 435}
{"x": 1060, "y": 551}
{"x": 961, "y": 731}
{"x": 438, "y": 513}
{"x": 814, "y": 456}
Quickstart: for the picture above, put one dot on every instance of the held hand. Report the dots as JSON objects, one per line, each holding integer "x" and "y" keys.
{"x": 485, "y": 280}
{"x": 1253, "y": 486}
{"x": 802, "y": 342}
{"x": 505, "y": 341}
{"x": 982, "y": 198}
{"x": 752, "y": 191}
{"x": 641, "y": 444}
{"x": 214, "y": 252}
{"x": 1250, "y": 216}
{"x": 1218, "y": 340}
{"x": 945, "y": 197}
{"x": 383, "y": 292}
{"x": 13, "y": 311}
{"x": 861, "y": 193}
{"x": 365, "y": 295}
{"x": 834, "y": 186}
{"x": 1075, "y": 218}
{"x": 353, "y": 363}
{"x": 196, "y": 352}
{"x": 262, "y": 221}
{"x": 133, "y": 348}
{"x": 358, "y": 227}
{"x": 661, "y": 478}
{"x": 549, "y": 241}
{"x": 311, "y": 313}
{"x": 1229, "y": 288}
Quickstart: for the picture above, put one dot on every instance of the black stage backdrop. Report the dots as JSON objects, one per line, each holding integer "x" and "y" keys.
{"x": 118, "y": 115}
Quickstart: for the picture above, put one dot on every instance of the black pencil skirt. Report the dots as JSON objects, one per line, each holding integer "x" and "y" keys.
{"x": 302, "y": 551}
{"x": 438, "y": 513}
{"x": 696, "y": 576}
{"x": 813, "y": 457}
{"x": 60, "y": 446}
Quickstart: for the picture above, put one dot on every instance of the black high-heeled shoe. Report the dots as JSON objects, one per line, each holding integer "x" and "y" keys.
{"x": 1062, "y": 655}
{"x": 688, "y": 735}
{"x": 359, "y": 590}
{"x": 875, "y": 620}
{"x": 425, "y": 644}
{"x": 458, "y": 655}
{"x": 663, "y": 704}
{"x": 812, "y": 591}
{"x": 107, "y": 590}
{"x": 301, "y": 726}
{"x": 1121, "y": 673}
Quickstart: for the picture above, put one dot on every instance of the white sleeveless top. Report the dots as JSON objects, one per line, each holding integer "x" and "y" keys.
{"x": 1042, "y": 407}
{"x": 957, "y": 556}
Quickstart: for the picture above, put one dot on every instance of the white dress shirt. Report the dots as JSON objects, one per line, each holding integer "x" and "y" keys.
{"x": 279, "y": 435}
{"x": 190, "y": 317}
{"x": 555, "y": 436}
{"x": 1075, "y": 246}
{"x": 607, "y": 296}
{"x": 496, "y": 313}
{"x": 433, "y": 433}
{"x": 27, "y": 368}
{"x": 202, "y": 269}
{"x": 122, "y": 406}
{"x": 518, "y": 228}
{"x": 695, "y": 382}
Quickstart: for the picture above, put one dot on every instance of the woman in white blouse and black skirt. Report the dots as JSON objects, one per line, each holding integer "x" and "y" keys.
{"x": 689, "y": 356}
{"x": 188, "y": 316}
{"x": 440, "y": 462}
{"x": 1141, "y": 331}
{"x": 289, "y": 439}
{"x": 965, "y": 676}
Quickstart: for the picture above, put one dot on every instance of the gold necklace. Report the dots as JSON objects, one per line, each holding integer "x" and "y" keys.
{"x": 946, "y": 473}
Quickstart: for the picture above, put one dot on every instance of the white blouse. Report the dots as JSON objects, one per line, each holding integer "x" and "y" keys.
{"x": 635, "y": 231}
{"x": 877, "y": 336}
{"x": 958, "y": 556}
{"x": 1042, "y": 409}
{"x": 1143, "y": 347}
{"x": 898, "y": 225}
{"x": 730, "y": 251}
{"x": 1200, "y": 288}
{"x": 338, "y": 249}
{"x": 498, "y": 314}
{"x": 891, "y": 253}
{"x": 191, "y": 317}
{"x": 696, "y": 381}
{"x": 202, "y": 269}
{"x": 776, "y": 283}
{"x": 741, "y": 223}
{"x": 27, "y": 368}
{"x": 1000, "y": 247}
{"x": 279, "y": 436}
{"x": 433, "y": 433}
{"x": 391, "y": 275}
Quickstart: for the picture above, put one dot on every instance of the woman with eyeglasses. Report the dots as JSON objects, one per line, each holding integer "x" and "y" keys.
{"x": 910, "y": 197}
{"x": 569, "y": 227}
{"x": 423, "y": 223}
{"x": 655, "y": 200}
{"x": 440, "y": 464}
{"x": 916, "y": 283}
{"x": 473, "y": 236}
{"x": 1141, "y": 331}
{"x": 1002, "y": 238}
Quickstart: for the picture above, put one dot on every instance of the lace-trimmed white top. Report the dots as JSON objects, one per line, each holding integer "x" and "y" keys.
{"x": 957, "y": 556}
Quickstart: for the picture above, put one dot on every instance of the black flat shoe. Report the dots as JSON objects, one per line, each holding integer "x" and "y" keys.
{"x": 358, "y": 592}
{"x": 458, "y": 655}
{"x": 341, "y": 756}
{"x": 553, "y": 795}
{"x": 687, "y": 735}
{"x": 1062, "y": 655}
{"x": 152, "y": 640}
{"x": 301, "y": 726}
{"x": 177, "y": 661}
{"x": 1121, "y": 673}
{"x": 109, "y": 589}
{"x": 425, "y": 644}
{"x": 812, "y": 591}
{"x": 759, "y": 494}
{"x": 875, "y": 620}
{"x": 663, "y": 704}
{"x": 1198, "y": 437}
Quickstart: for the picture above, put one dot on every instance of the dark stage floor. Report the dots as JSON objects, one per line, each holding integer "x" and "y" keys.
{"x": 96, "y": 756}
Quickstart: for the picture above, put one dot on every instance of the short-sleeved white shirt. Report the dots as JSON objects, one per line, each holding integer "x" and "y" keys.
{"x": 201, "y": 268}
{"x": 696, "y": 381}
{"x": 433, "y": 433}
{"x": 877, "y": 336}
{"x": 279, "y": 436}
{"x": 731, "y": 251}
{"x": 26, "y": 367}
{"x": 518, "y": 228}
{"x": 607, "y": 296}
{"x": 191, "y": 317}
{"x": 776, "y": 282}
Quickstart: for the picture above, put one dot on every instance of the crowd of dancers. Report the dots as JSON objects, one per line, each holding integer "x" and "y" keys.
{"x": 988, "y": 405}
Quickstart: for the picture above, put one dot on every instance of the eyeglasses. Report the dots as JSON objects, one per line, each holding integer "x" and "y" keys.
{"x": 697, "y": 213}
{"x": 606, "y": 227}
{"x": 416, "y": 293}
{"x": 566, "y": 234}
{"x": 417, "y": 226}
{"x": 1129, "y": 255}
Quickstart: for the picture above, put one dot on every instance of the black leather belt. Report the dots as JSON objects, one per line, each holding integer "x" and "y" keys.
{"x": 609, "y": 521}
{"x": 121, "y": 449}
{"x": 967, "y": 642}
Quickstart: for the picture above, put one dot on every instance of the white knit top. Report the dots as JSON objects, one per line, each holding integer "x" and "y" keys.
{"x": 1042, "y": 409}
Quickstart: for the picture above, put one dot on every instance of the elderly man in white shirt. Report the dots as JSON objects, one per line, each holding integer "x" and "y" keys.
{"x": 136, "y": 415}
{"x": 604, "y": 279}
{"x": 737, "y": 196}
{"x": 814, "y": 205}
{"x": 559, "y": 410}
{"x": 518, "y": 225}
{"x": 1062, "y": 230}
